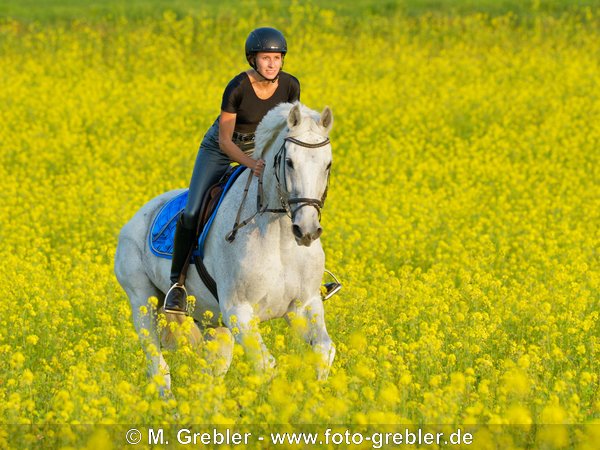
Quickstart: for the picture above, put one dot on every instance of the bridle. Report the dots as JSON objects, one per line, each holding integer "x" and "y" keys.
{"x": 286, "y": 202}
{"x": 279, "y": 166}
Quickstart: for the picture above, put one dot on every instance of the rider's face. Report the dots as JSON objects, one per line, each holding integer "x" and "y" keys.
{"x": 268, "y": 64}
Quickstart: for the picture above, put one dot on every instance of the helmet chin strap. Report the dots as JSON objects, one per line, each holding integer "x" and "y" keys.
{"x": 268, "y": 79}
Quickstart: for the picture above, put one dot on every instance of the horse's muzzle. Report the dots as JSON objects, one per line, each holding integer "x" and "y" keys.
{"x": 306, "y": 238}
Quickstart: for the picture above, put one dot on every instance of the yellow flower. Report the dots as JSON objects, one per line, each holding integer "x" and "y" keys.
{"x": 16, "y": 360}
{"x": 516, "y": 382}
{"x": 552, "y": 414}
{"x": 32, "y": 339}
{"x": 27, "y": 377}
{"x": 518, "y": 415}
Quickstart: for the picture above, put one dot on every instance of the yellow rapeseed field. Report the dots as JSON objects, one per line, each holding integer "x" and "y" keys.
{"x": 462, "y": 218}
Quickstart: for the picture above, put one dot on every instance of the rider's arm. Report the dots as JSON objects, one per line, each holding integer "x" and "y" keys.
{"x": 226, "y": 127}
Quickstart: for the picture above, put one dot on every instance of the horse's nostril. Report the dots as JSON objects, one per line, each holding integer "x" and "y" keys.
{"x": 297, "y": 231}
{"x": 318, "y": 233}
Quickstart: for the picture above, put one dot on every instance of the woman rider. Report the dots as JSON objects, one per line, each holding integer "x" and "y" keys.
{"x": 246, "y": 100}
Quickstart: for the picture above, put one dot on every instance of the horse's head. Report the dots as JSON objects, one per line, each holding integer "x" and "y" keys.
{"x": 304, "y": 165}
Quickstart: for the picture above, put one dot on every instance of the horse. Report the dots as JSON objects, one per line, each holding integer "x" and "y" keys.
{"x": 271, "y": 268}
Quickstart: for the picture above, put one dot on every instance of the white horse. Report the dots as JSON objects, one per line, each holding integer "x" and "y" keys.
{"x": 274, "y": 266}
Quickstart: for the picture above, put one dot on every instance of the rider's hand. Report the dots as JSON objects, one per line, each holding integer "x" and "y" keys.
{"x": 258, "y": 167}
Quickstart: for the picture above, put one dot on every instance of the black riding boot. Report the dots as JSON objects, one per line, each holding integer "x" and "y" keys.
{"x": 183, "y": 245}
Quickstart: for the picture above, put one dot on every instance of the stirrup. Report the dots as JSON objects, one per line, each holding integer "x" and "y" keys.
{"x": 176, "y": 306}
{"x": 332, "y": 287}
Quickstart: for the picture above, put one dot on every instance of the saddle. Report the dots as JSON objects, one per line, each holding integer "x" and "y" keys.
{"x": 212, "y": 198}
{"x": 162, "y": 231}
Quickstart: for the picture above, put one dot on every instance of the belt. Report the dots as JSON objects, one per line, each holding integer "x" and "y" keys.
{"x": 243, "y": 137}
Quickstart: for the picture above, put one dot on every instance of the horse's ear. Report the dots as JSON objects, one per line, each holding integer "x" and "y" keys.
{"x": 294, "y": 117}
{"x": 326, "y": 120}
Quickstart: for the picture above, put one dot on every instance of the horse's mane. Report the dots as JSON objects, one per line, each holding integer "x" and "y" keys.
{"x": 274, "y": 124}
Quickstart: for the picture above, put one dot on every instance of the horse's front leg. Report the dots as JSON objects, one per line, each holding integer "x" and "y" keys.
{"x": 243, "y": 323}
{"x": 314, "y": 331}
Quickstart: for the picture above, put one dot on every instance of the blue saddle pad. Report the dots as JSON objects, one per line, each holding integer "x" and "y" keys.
{"x": 162, "y": 230}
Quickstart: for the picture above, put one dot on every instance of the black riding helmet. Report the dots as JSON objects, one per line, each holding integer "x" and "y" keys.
{"x": 265, "y": 40}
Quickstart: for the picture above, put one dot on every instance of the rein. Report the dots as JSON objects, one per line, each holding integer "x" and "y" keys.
{"x": 286, "y": 202}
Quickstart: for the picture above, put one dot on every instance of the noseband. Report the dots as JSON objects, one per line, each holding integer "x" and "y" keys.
{"x": 283, "y": 192}
{"x": 286, "y": 202}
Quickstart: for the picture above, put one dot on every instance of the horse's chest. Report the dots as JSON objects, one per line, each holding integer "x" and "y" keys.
{"x": 275, "y": 279}
{"x": 281, "y": 273}
{"x": 264, "y": 267}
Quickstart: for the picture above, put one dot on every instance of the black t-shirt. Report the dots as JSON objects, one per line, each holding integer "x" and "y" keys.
{"x": 239, "y": 98}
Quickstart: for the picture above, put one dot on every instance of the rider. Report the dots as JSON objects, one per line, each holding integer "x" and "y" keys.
{"x": 246, "y": 100}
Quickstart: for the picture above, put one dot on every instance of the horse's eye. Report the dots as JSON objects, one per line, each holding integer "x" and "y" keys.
{"x": 289, "y": 163}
